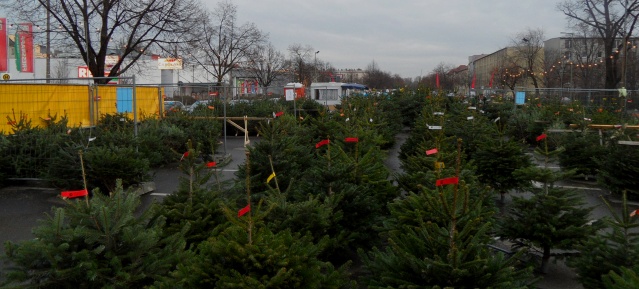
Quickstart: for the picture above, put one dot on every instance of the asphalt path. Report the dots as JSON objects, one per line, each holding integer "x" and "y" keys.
{"x": 22, "y": 207}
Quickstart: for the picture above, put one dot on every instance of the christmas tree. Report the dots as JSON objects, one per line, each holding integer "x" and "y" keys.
{"x": 552, "y": 217}
{"x": 96, "y": 243}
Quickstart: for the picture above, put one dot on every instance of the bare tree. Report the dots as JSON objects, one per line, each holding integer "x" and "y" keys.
{"x": 528, "y": 54}
{"x": 267, "y": 64}
{"x": 93, "y": 26}
{"x": 300, "y": 58}
{"x": 374, "y": 77}
{"x": 325, "y": 71}
{"x": 225, "y": 43}
{"x": 509, "y": 76}
{"x": 611, "y": 20}
{"x": 61, "y": 71}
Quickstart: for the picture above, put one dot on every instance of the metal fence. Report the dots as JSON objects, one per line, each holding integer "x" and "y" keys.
{"x": 608, "y": 99}
{"x": 84, "y": 103}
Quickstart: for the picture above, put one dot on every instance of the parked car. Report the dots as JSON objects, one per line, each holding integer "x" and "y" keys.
{"x": 170, "y": 105}
{"x": 199, "y": 103}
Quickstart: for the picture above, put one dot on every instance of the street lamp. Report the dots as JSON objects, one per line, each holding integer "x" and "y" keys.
{"x": 570, "y": 62}
{"x": 315, "y": 65}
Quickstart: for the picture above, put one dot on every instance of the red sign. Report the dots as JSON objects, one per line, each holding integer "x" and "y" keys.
{"x": 3, "y": 45}
{"x": 84, "y": 72}
{"x": 24, "y": 48}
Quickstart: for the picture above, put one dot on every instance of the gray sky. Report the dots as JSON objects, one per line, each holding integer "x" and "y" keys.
{"x": 405, "y": 37}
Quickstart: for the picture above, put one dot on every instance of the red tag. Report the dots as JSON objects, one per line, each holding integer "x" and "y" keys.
{"x": 244, "y": 210}
{"x": 447, "y": 181}
{"x": 74, "y": 194}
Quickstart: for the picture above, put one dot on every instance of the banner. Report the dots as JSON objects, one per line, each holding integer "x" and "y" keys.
{"x": 24, "y": 47}
{"x": 3, "y": 45}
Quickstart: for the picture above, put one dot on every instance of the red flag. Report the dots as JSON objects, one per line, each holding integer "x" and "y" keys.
{"x": 321, "y": 143}
{"x": 351, "y": 139}
{"x": 211, "y": 164}
{"x": 431, "y": 151}
{"x": 447, "y": 181}
{"x": 437, "y": 80}
{"x": 279, "y": 114}
{"x": 3, "y": 45}
{"x": 244, "y": 210}
{"x": 472, "y": 85}
{"x": 541, "y": 137}
{"x": 186, "y": 154}
{"x": 74, "y": 194}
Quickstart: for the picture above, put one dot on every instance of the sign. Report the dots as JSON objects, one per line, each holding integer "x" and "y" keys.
{"x": 111, "y": 60}
{"x": 84, "y": 72}
{"x": 4, "y": 60}
{"x": 24, "y": 47}
{"x": 520, "y": 97}
{"x": 6, "y": 76}
{"x": 169, "y": 63}
{"x": 290, "y": 94}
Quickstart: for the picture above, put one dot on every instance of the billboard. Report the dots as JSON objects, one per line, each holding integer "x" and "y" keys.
{"x": 169, "y": 63}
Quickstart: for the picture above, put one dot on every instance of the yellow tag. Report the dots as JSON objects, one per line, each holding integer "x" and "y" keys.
{"x": 439, "y": 165}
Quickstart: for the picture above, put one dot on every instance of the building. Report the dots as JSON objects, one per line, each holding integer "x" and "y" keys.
{"x": 332, "y": 93}
{"x": 505, "y": 69}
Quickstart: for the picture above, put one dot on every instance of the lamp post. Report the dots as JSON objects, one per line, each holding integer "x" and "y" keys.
{"x": 315, "y": 65}
{"x": 569, "y": 56}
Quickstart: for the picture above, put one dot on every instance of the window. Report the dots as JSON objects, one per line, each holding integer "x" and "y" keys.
{"x": 328, "y": 94}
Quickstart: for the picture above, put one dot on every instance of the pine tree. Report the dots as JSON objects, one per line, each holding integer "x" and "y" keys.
{"x": 618, "y": 169}
{"x": 496, "y": 159}
{"x": 552, "y": 218}
{"x": 196, "y": 205}
{"x": 270, "y": 260}
{"x": 581, "y": 150}
{"x": 610, "y": 250}
{"x": 95, "y": 244}
{"x": 437, "y": 238}
{"x": 627, "y": 278}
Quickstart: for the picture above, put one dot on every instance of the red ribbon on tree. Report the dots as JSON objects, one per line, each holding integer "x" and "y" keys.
{"x": 322, "y": 143}
{"x": 74, "y": 194}
{"x": 244, "y": 210}
{"x": 541, "y": 137}
{"x": 447, "y": 181}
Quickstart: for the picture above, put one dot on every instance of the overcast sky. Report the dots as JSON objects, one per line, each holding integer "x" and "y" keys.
{"x": 405, "y": 37}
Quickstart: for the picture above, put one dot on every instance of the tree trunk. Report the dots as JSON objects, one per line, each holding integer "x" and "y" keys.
{"x": 544, "y": 260}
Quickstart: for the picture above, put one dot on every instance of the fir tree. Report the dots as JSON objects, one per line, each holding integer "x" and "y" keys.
{"x": 610, "y": 250}
{"x": 437, "y": 238}
{"x": 552, "y": 218}
{"x": 270, "y": 260}
{"x": 627, "y": 278}
{"x": 581, "y": 150}
{"x": 99, "y": 243}
{"x": 196, "y": 205}
{"x": 618, "y": 169}
{"x": 496, "y": 160}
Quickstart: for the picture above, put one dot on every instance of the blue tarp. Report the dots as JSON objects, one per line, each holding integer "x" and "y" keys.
{"x": 354, "y": 86}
